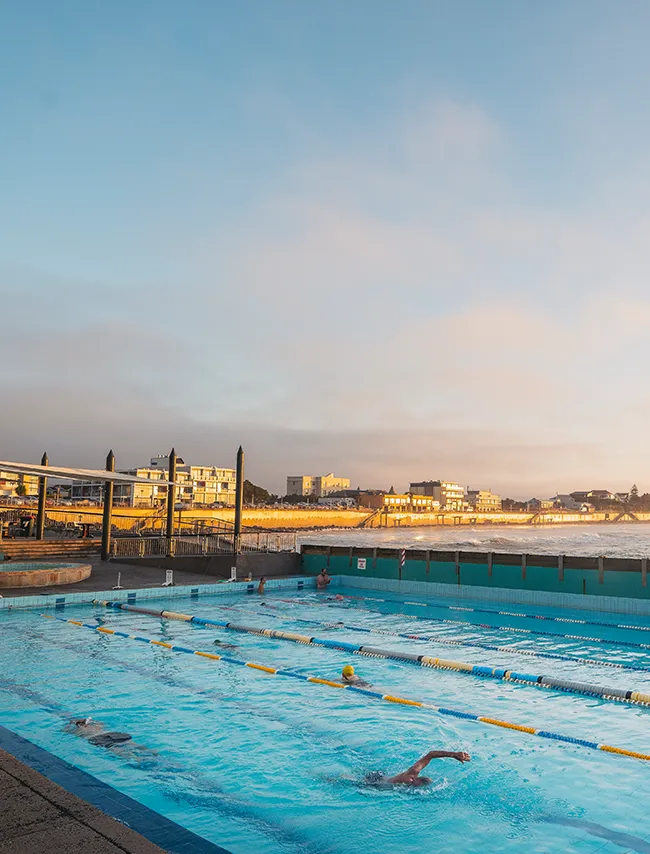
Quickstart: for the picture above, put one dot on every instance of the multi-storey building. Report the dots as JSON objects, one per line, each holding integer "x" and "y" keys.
{"x": 198, "y": 485}
{"x": 484, "y": 501}
{"x": 18, "y": 485}
{"x": 319, "y": 486}
{"x": 451, "y": 495}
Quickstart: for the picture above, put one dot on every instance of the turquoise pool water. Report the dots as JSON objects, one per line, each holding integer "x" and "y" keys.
{"x": 260, "y": 763}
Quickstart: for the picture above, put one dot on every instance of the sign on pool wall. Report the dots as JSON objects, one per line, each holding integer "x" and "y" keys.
{"x": 361, "y": 563}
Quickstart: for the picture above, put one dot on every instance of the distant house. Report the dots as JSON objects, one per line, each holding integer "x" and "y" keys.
{"x": 598, "y": 494}
{"x": 567, "y": 502}
{"x": 537, "y": 504}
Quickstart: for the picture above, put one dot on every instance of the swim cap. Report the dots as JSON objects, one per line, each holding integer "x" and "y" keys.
{"x": 348, "y": 670}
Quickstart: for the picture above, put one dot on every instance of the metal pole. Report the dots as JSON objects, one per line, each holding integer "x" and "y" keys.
{"x": 42, "y": 492}
{"x": 170, "y": 500}
{"x": 239, "y": 499}
{"x": 108, "y": 508}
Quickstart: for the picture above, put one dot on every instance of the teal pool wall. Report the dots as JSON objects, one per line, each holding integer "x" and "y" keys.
{"x": 582, "y": 576}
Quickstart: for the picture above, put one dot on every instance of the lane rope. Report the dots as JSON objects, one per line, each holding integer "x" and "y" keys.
{"x": 486, "y": 671}
{"x": 556, "y": 656}
{"x": 367, "y": 692}
{"x": 633, "y": 644}
{"x": 510, "y": 614}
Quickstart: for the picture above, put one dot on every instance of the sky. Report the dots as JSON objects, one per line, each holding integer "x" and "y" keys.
{"x": 397, "y": 241}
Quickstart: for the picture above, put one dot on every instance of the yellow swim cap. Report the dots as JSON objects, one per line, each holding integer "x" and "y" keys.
{"x": 348, "y": 670}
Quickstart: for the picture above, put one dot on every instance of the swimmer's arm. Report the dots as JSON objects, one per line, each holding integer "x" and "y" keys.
{"x": 437, "y": 754}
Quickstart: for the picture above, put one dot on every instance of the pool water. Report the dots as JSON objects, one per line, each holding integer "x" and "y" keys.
{"x": 263, "y": 763}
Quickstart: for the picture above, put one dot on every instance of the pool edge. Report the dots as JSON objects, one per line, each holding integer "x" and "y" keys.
{"x": 39, "y": 767}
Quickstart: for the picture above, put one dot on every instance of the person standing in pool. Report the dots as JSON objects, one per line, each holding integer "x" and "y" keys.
{"x": 322, "y": 580}
{"x": 411, "y": 777}
{"x": 261, "y": 585}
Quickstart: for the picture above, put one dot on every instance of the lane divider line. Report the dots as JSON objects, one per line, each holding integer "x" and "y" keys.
{"x": 600, "y": 623}
{"x": 632, "y": 644}
{"x": 485, "y": 671}
{"x": 567, "y": 739}
{"x": 555, "y": 656}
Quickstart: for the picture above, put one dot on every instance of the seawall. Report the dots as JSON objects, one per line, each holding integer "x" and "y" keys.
{"x": 288, "y": 518}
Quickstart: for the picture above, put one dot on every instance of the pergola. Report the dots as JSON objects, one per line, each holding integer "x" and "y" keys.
{"x": 109, "y": 477}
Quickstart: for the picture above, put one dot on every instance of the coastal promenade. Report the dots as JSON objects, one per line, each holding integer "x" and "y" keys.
{"x": 289, "y": 518}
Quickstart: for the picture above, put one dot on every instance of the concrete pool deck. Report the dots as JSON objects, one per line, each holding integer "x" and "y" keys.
{"x": 39, "y": 817}
{"x": 104, "y": 577}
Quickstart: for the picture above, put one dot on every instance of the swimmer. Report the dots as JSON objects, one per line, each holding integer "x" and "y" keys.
{"x": 349, "y": 677}
{"x": 261, "y": 585}
{"x": 322, "y": 580}
{"x": 411, "y": 777}
{"x": 223, "y": 644}
{"x": 120, "y": 742}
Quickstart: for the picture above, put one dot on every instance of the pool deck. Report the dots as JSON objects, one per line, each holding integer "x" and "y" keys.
{"x": 104, "y": 577}
{"x": 39, "y": 817}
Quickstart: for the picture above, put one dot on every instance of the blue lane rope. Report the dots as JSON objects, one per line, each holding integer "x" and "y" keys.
{"x": 632, "y": 644}
{"x": 487, "y": 671}
{"x": 366, "y": 692}
{"x": 510, "y": 614}
{"x": 555, "y": 656}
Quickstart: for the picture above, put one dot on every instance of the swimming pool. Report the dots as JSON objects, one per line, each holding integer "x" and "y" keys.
{"x": 268, "y": 763}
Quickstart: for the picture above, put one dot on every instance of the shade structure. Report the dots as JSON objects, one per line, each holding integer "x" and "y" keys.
{"x": 75, "y": 474}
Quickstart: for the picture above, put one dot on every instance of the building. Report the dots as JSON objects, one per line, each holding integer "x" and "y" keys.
{"x": 18, "y": 485}
{"x": 537, "y": 504}
{"x": 567, "y": 502}
{"x": 319, "y": 486}
{"x": 300, "y": 485}
{"x": 198, "y": 486}
{"x": 450, "y": 495}
{"x": 484, "y": 501}
{"x": 598, "y": 494}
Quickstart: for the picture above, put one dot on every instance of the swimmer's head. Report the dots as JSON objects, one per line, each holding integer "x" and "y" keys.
{"x": 347, "y": 672}
{"x": 82, "y": 721}
{"x": 338, "y": 597}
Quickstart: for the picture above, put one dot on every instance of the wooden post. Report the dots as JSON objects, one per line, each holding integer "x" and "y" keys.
{"x": 107, "y": 520}
{"x": 171, "y": 495}
{"x": 560, "y": 568}
{"x": 457, "y": 560}
{"x": 601, "y": 570}
{"x": 489, "y": 561}
{"x": 42, "y": 493}
{"x": 644, "y": 571}
{"x": 239, "y": 499}
{"x": 523, "y": 567}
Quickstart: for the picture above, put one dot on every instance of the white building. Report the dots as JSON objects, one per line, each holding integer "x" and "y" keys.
{"x": 319, "y": 486}
{"x": 451, "y": 495}
{"x": 199, "y": 486}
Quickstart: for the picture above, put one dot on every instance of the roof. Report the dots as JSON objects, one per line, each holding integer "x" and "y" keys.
{"x": 73, "y": 474}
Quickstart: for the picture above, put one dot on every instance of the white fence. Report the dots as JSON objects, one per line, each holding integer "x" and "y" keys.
{"x": 249, "y": 543}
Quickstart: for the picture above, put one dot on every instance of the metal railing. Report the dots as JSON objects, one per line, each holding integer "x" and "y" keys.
{"x": 249, "y": 543}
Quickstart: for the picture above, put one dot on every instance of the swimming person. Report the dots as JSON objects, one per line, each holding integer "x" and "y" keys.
{"x": 224, "y": 645}
{"x": 95, "y": 733}
{"x": 322, "y": 580}
{"x": 349, "y": 677}
{"x": 411, "y": 777}
{"x": 122, "y": 743}
{"x": 261, "y": 585}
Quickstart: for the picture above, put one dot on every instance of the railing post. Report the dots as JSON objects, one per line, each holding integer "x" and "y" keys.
{"x": 42, "y": 493}
{"x": 560, "y": 568}
{"x": 107, "y": 519}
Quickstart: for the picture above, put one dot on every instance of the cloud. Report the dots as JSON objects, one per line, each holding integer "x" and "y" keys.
{"x": 402, "y": 309}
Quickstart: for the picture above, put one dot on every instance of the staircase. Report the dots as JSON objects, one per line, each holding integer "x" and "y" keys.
{"x": 44, "y": 550}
